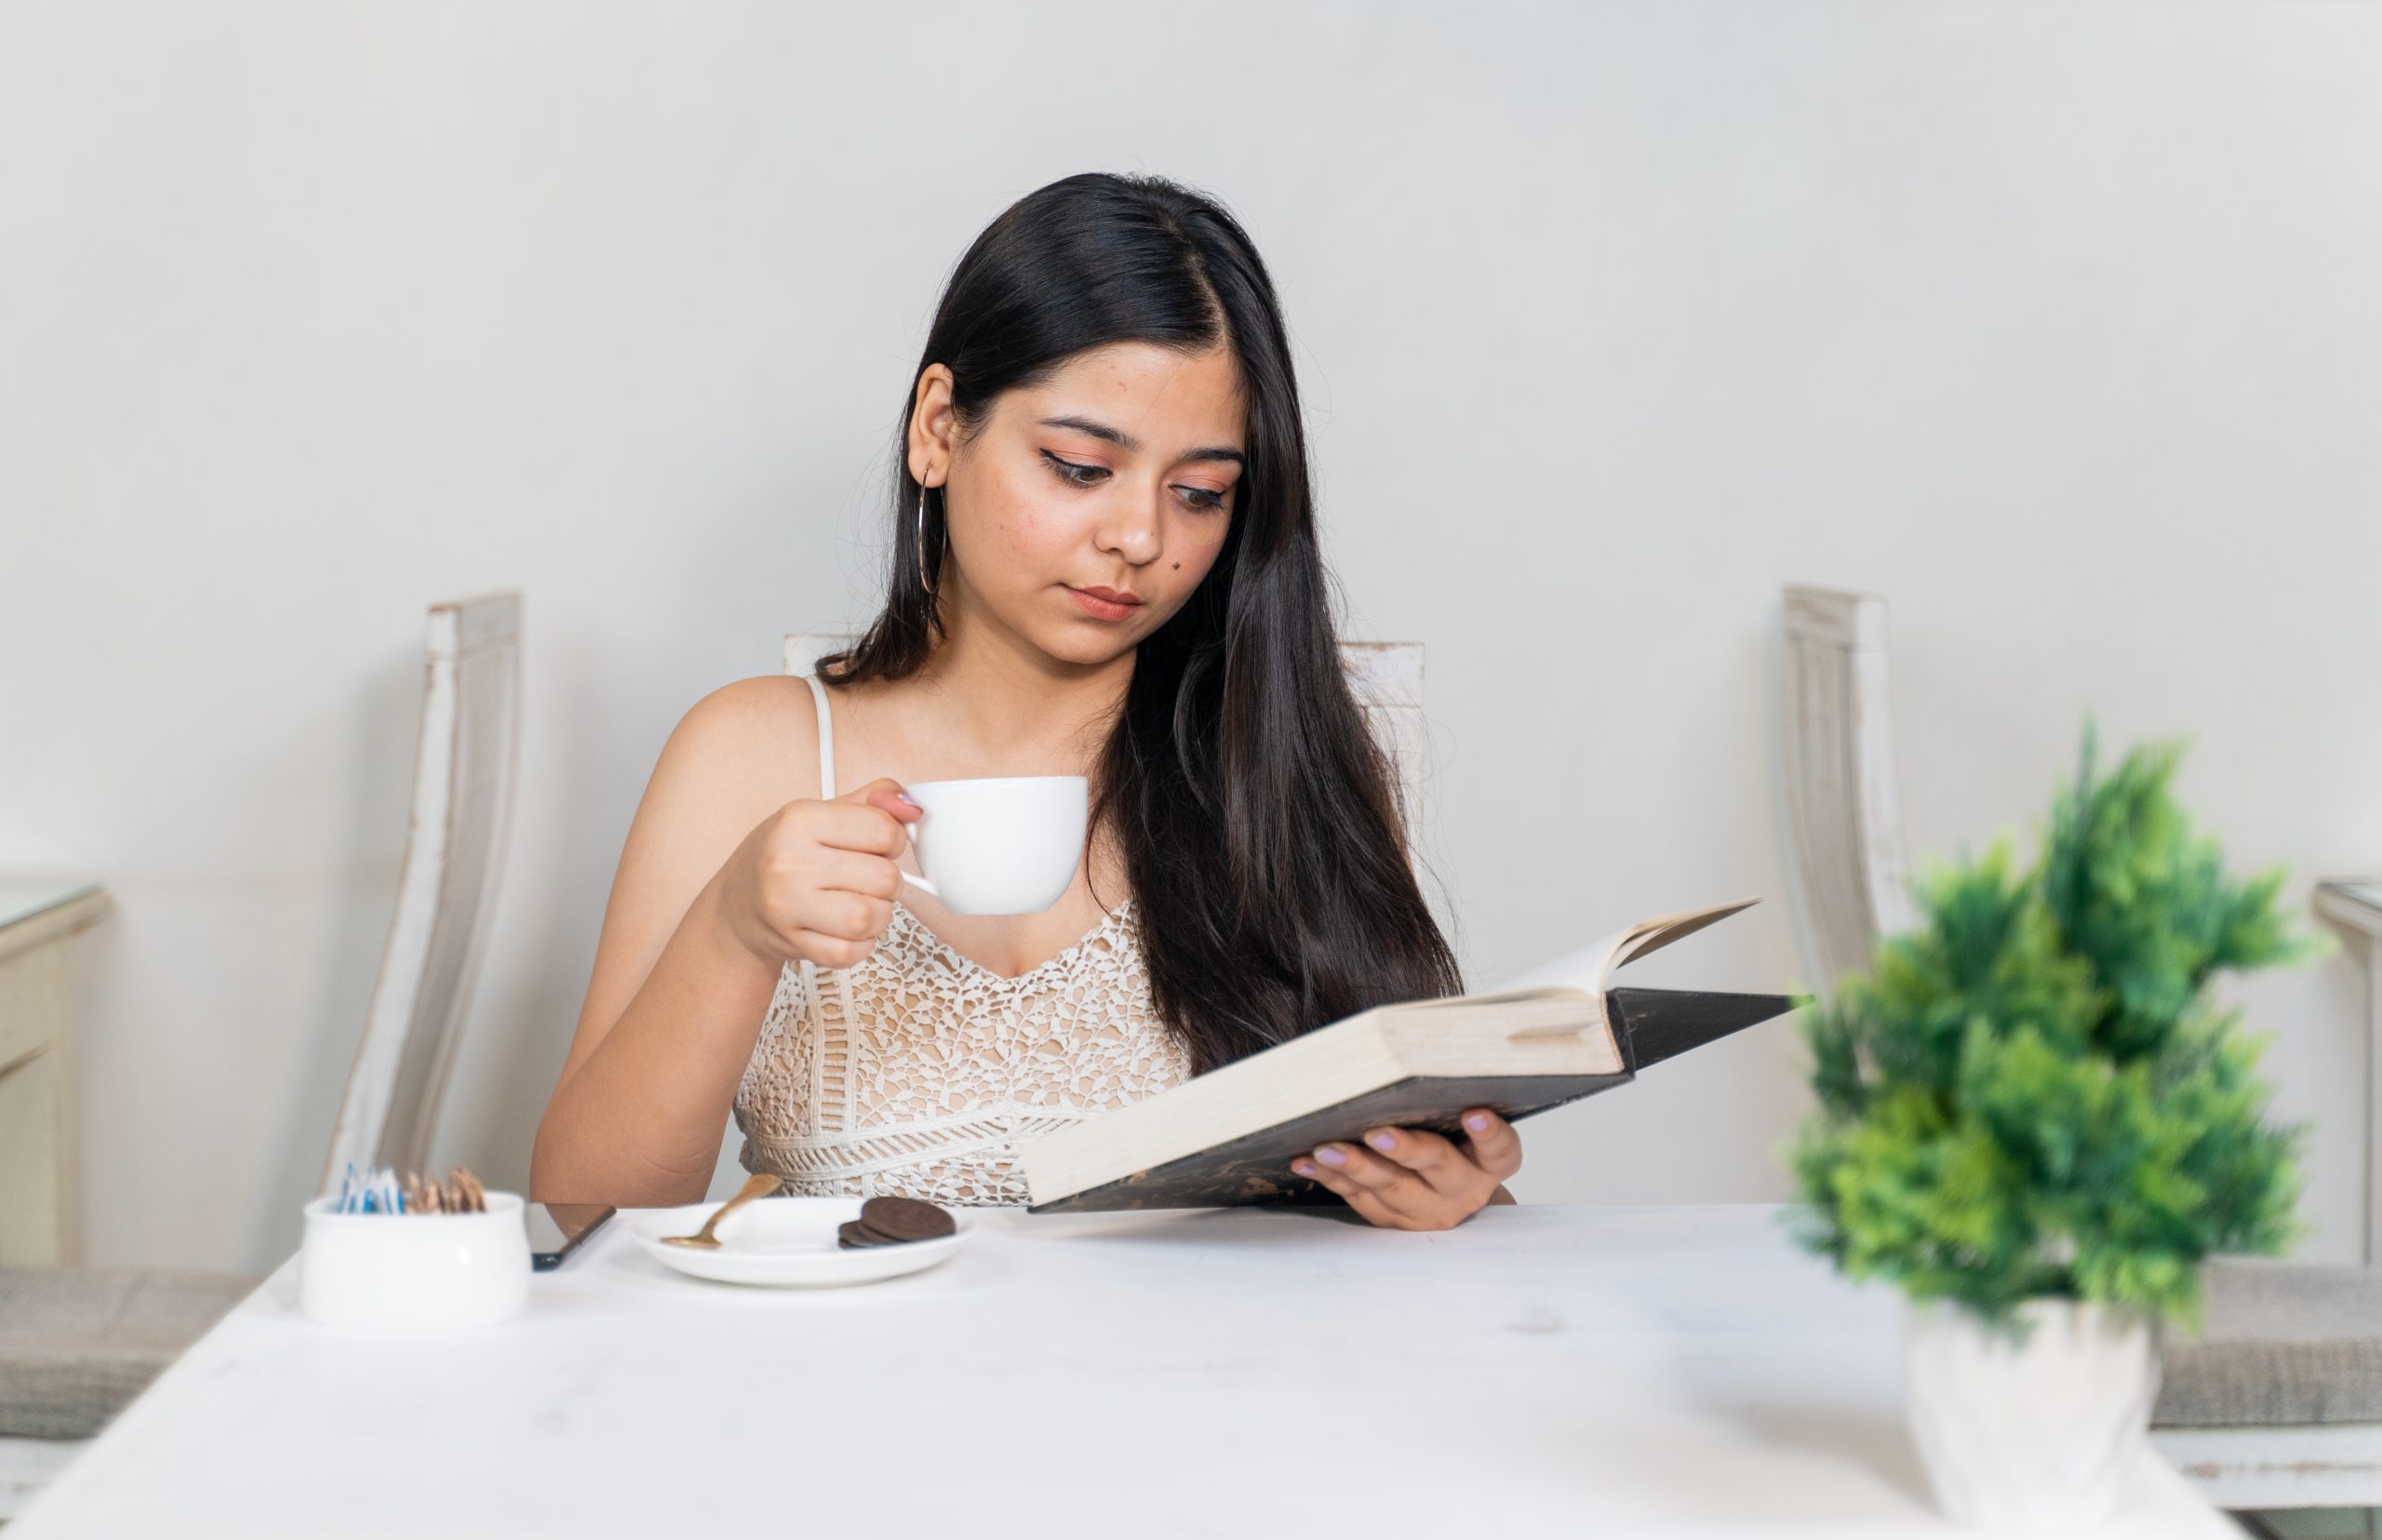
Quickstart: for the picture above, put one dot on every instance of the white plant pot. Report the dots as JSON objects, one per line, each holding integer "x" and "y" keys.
{"x": 2036, "y": 1438}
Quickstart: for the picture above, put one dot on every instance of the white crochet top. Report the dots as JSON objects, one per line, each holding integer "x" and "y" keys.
{"x": 916, "y": 1071}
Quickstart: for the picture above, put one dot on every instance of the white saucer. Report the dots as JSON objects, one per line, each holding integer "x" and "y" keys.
{"x": 785, "y": 1243}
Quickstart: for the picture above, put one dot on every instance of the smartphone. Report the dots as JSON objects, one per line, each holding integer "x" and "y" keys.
{"x": 556, "y": 1230}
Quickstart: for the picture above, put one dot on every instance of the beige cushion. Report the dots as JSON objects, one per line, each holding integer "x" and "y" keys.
{"x": 2285, "y": 1345}
{"x": 77, "y": 1343}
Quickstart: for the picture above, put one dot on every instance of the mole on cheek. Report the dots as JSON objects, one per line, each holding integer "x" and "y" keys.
{"x": 1178, "y": 567}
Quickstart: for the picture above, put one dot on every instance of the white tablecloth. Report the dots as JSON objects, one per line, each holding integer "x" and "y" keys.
{"x": 1539, "y": 1369}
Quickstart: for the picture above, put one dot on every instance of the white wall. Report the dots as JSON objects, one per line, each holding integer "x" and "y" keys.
{"x": 2057, "y": 324}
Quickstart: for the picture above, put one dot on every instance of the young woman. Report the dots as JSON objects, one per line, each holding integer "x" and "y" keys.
{"x": 1106, "y": 565}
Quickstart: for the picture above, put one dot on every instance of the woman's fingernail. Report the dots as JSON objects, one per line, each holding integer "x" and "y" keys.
{"x": 907, "y": 798}
{"x": 1331, "y": 1155}
{"x": 1305, "y": 1168}
{"x": 1384, "y": 1140}
{"x": 1478, "y": 1122}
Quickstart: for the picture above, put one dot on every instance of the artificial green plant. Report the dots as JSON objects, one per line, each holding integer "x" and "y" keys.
{"x": 2032, "y": 1093}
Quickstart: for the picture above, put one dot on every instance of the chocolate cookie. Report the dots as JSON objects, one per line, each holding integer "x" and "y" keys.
{"x": 852, "y": 1234}
{"x": 907, "y": 1219}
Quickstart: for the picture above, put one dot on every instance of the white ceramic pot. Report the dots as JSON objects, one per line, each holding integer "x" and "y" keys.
{"x": 414, "y": 1270}
{"x": 2038, "y": 1438}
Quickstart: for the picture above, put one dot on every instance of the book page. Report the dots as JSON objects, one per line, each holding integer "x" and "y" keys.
{"x": 1590, "y": 966}
{"x": 1660, "y": 932}
{"x": 1585, "y": 969}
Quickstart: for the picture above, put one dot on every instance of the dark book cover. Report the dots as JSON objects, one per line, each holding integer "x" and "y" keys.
{"x": 1649, "y": 1024}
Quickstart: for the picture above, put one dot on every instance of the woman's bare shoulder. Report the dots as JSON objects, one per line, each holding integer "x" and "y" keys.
{"x": 754, "y": 740}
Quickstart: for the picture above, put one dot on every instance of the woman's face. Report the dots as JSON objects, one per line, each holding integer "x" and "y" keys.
{"x": 1087, "y": 509}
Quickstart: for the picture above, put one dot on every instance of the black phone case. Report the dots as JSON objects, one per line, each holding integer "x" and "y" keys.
{"x": 547, "y": 1261}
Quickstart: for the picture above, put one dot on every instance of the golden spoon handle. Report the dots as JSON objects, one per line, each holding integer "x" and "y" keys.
{"x": 758, "y": 1185}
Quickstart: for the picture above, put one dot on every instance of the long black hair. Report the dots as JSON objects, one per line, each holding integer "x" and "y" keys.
{"x": 1257, "y": 818}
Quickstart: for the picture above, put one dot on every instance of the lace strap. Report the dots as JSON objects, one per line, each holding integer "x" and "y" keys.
{"x": 826, "y": 739}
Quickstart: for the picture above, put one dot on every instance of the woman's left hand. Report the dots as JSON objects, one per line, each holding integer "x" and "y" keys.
{"x": 1412, "y": 1179}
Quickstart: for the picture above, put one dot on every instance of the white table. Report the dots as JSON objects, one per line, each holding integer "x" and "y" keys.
{"x": 1538, "y": 1371}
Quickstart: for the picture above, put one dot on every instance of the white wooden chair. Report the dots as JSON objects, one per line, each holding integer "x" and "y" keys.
{"x": 2354, "y": 905}
{"x": 78, "y": 1343}
{"x": 1843, "y": 816}
{"x": 40, "y": 1143}
{"x": 463, "y": 811}
{"x": 2279, "y": 1404}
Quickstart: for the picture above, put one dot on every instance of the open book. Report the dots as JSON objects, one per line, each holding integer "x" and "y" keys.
{"x": 1552, "y": 1035}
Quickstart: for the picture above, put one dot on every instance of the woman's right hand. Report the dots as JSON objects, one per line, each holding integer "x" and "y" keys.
{"x": 816, "y": 878}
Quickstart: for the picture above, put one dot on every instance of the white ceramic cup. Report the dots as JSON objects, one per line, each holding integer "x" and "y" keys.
{"x": 414, "y": 1269}
{"x": 1003, "y": 845}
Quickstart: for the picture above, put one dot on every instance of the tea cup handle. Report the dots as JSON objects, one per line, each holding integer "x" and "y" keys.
{"x": 911, "y": 832}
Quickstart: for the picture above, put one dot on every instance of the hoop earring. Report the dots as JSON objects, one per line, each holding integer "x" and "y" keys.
{"x": 924, "y": 581}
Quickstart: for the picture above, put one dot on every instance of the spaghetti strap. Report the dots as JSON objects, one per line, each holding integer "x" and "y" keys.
{"x": 826, "y": 739}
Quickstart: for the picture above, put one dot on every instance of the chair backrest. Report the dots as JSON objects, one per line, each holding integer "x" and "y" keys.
{"x": 1386, "y": 678}
{"x": 1836, "y": 764}
{"x": 462, "y": 806}
{"x": 2355, "y": 905}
